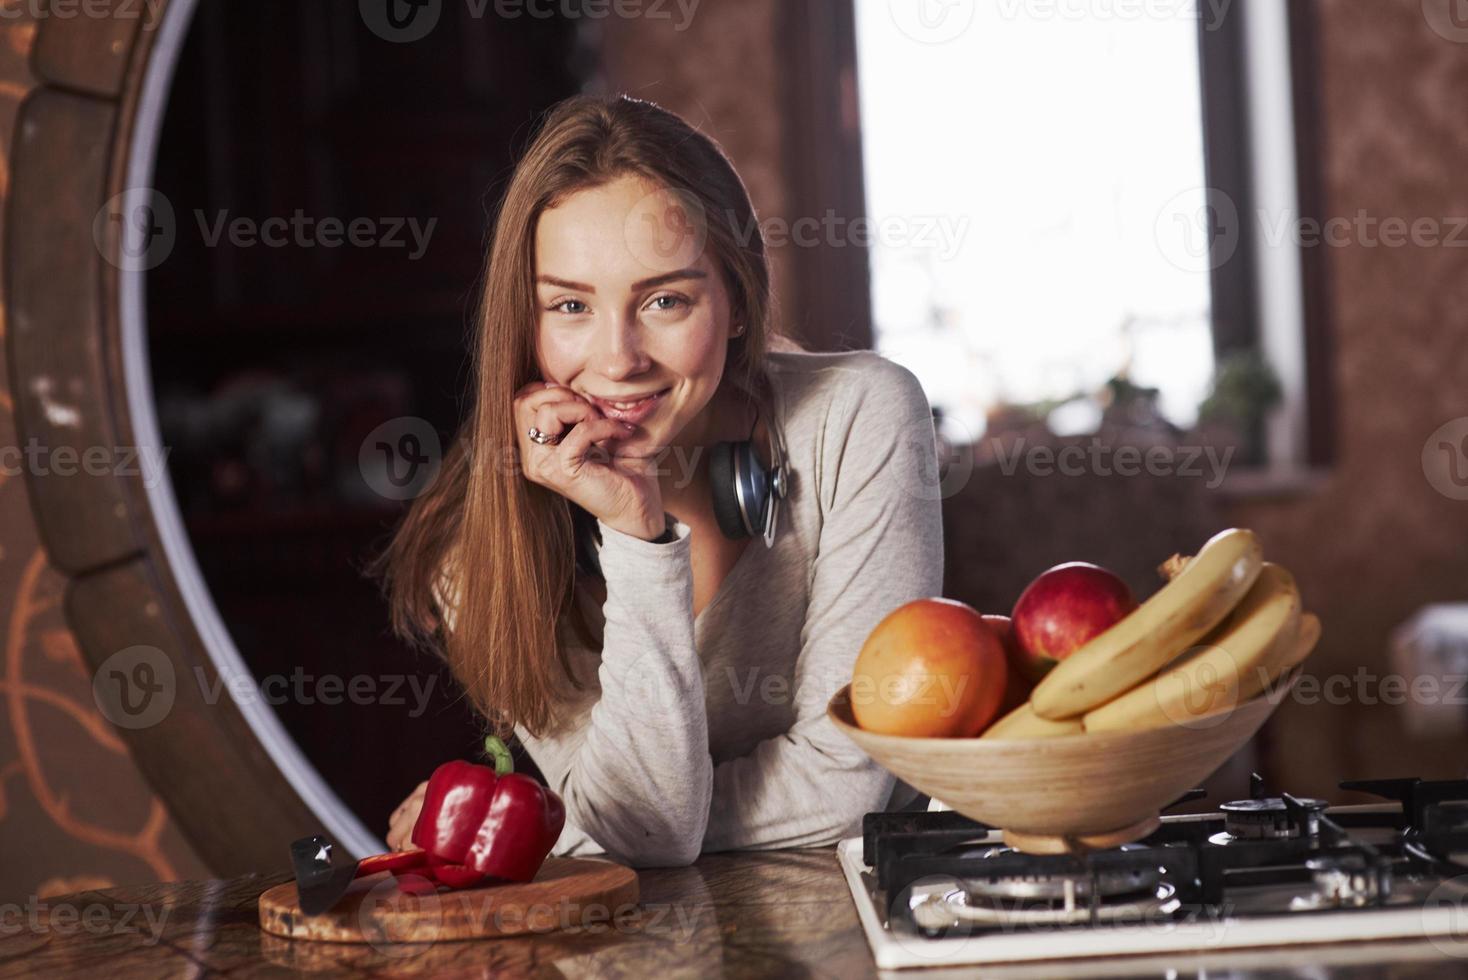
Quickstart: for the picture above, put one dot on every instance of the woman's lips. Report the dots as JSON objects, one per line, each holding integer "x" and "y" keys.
{"x": 636, "y": 413}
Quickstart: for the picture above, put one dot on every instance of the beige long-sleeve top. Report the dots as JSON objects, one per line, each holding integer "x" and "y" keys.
{"x": 709, "y": 733}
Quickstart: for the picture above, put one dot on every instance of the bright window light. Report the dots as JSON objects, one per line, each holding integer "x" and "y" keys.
{"x": 1024, "y": 166}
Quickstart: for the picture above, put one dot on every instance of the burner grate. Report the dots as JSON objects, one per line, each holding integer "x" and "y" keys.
{"x": 1195, "y": 860}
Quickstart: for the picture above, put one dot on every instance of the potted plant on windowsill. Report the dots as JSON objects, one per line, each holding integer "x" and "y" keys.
{"x": 1245, "y": 390}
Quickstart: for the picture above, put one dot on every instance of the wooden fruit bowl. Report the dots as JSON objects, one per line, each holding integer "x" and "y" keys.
{"x": 1068, "y": 794}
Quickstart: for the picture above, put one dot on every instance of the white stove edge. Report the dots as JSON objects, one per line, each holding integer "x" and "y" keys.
{"x": 891, "y": 953}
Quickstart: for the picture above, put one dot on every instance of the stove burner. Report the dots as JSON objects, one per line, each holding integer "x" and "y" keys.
{"x": 1269, "y": 818}
{"x": 936, "y": 908}
{"x": 1345, "y": 880}
{"x": 1108, "y": 882}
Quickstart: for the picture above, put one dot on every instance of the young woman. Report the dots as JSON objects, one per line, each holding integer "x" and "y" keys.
{"x": 669, "y": 681}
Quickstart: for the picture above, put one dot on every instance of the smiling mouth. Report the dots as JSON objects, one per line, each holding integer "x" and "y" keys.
{"x": 631, "y": 411}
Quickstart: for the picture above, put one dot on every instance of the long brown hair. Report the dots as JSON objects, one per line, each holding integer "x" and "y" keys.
{"x": 516, "y": 540}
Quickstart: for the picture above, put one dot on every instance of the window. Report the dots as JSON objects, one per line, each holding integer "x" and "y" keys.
{"x": 1063, "y": 192}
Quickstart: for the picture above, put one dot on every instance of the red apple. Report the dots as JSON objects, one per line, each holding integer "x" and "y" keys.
{"x": 1063, "y": 609}
{"x": 1017, "y": 689}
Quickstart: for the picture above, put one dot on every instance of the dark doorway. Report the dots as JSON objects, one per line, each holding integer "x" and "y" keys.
{"x": 331, "y": 191}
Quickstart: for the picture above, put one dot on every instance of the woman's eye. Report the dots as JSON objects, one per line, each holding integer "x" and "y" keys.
{"x": 668, "y": 302}
{"x": 661, "y": 304}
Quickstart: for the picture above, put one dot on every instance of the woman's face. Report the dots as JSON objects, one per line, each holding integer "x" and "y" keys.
{"x": 630, "y": 304}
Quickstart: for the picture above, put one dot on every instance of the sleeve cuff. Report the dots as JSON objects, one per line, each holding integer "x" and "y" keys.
{"x": 626, "y": 558}
{"x": 615, "y": 541}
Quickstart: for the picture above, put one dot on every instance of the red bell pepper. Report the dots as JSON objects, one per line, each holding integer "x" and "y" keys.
{"x": 479, "y": 822}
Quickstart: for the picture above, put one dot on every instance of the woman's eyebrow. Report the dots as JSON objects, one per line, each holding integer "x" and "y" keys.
{"x": 638, "y": 286}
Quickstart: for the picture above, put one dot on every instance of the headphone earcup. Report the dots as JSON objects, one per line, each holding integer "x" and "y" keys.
{"x": 726, "y": 497}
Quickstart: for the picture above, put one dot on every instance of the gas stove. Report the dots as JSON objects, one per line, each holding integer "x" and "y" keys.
{"x": 937, "y": 888}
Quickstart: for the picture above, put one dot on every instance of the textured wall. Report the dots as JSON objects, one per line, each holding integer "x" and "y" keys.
{"x": 718, "y": 72}
{"x": 1378, "y": 541}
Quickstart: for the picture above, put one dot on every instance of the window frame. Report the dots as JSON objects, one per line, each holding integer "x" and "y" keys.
{"x": 1259, "y": 302}
{"x": 824, "y": 169}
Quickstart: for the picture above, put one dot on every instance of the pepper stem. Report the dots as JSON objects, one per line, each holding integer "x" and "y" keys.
{"x": 499, "y": 754}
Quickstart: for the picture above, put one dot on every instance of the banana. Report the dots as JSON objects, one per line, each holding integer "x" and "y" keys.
{"x": 1172, "y": 620}
{"x": 1290, "y": 656}
{"x": 1022, "y": 722}
{"x": 1294, "y": 655}
{"x": 1230, "y": 667}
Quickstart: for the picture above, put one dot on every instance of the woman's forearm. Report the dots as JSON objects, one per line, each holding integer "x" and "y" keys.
{"x": 793, "y": 792}
{"x": 636, "y": 776}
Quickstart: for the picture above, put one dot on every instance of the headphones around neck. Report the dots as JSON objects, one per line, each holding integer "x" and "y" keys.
{"x": 746, "y": 494}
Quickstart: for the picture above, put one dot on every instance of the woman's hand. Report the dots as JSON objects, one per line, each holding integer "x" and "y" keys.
{"x": 622, "y": 492}
{"x": 400, "y": 827}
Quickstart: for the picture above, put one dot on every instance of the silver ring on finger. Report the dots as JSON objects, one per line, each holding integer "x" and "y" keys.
{"x": 542, "y": 438}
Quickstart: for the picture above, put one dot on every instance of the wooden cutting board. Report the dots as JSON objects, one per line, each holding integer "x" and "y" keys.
{"x": 566, "y": 892}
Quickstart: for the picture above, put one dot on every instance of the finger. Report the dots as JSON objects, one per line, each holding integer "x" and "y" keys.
{"x": 417, "y": 793}
{"x": 577, "y": 444}
{"x": 526, "y": 406}
{"x": 402, "y": 830}
{"x": 531, "y": 387}
{"x": 555, "y": 418}
{"x": 563, "y": 390}
{"x": 539, "y": 392}
{"x": 400, "y": 812}
{"x": 528, "y": 400}
{"x": 400, "y": 823}
{"x": 571, "y": 410}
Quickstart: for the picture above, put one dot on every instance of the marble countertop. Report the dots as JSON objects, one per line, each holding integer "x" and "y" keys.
{"x": 770, "y": 914}
{"x": 785, "y": 913}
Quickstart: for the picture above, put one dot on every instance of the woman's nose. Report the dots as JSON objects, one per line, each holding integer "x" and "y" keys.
{"x": 620, "y": 352}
